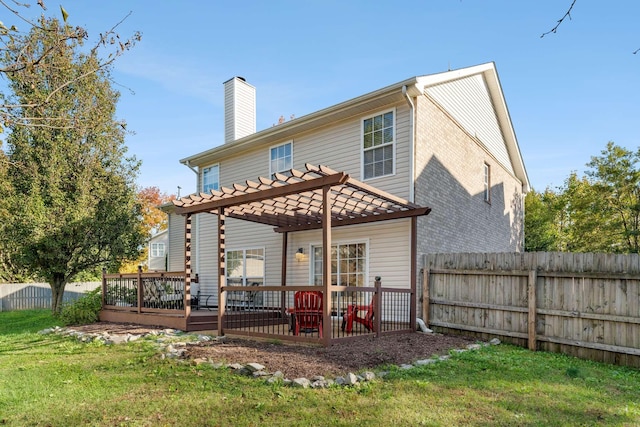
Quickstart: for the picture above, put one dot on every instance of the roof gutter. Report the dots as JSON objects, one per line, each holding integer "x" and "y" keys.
{"x": 412, "y": 139}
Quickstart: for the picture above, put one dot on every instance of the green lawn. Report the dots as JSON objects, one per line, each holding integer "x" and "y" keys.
{"x": 48, "y": 380}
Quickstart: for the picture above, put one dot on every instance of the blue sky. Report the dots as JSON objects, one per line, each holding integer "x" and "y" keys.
{"x": 568, "y": 93}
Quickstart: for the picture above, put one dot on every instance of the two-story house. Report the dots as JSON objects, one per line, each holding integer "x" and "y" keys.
{"x": 443, "y": 141}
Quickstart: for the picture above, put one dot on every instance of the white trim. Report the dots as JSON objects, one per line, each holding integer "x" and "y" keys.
{"x": 394, "y": 144}
{"x": 271, "y": 172}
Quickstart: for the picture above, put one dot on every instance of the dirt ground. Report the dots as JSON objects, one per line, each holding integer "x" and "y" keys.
{"x": 308, "y": 361}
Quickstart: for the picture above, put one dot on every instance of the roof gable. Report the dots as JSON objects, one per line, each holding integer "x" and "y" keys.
{"x": 469, "y": 102}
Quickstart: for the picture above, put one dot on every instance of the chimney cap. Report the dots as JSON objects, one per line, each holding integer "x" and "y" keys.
{"x": 236, "y": 77}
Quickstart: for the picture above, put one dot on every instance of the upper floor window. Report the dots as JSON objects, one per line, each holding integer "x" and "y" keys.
{"x": 157, "y": 250}
{"x": 211, "y": 178}
{"x": 281, "y": 158}
{"x": 487, "y": 183}
{"x": 378, "y": 145}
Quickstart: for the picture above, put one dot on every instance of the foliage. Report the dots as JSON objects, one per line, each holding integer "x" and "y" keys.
{"x": 154, "y": 220}
{"x": 542, "y": 233}
{"x": 84, "y": 310}
{"x": 72, "y": 203}
{"x": 599, "y": 212}
{"x": 43, "y": 60}
{"x": 127, "y": 385}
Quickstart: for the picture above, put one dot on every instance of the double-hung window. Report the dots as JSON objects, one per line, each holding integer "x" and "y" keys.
{"x": 245, "y": 267}
{"x": 348, "y": 264}
{"x": 211, "y": 178}
{"x": 157, "y": 250}
{"x": 378, "y": 139}
{"x": 281, "y": 158}
{"x": 487, "y": 183}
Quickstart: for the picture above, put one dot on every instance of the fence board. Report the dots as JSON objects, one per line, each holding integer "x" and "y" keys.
{"x": 585, "y": 305}
{"x": 24, "y": 296}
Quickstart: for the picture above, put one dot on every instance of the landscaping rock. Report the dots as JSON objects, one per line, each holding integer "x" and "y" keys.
{"x": 369, "y": 376}
{"x": 494, "y": 341}
{"x": 425, "y": 362}
{"x": 253, "y": 367}
{"x": 474, "y": 347}
{"x": 351, "y": 379}
{"x": 301, "y": 382}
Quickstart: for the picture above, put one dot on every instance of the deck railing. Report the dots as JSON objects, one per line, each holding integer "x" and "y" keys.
{"x": 269, "y": 312}
{"x": 154, "y": 292}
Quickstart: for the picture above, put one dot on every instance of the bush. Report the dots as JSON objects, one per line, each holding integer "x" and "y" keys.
{"x": 84, "y": 310}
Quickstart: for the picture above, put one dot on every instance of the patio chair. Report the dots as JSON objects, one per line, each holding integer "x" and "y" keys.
{"x": 352, "y": 315}
{"x": 307, "y": 310}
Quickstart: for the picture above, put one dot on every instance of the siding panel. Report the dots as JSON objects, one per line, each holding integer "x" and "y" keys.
{"x": 468, "y": 101}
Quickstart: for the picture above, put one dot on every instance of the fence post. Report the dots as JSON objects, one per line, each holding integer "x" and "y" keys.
{"x": 140, "y": 289}
{"x": 378, "y": 306}
{"x": 531, "y": 320}
{"x": 425, "y": 295}
{"x": 104, "y": 286}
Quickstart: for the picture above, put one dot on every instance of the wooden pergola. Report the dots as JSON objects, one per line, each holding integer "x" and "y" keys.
{"x": 317, "y": 198}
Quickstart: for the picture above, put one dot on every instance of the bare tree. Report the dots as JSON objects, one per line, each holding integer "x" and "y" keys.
{"x": 568, "y": 15}
{"x": 11, "y": 46}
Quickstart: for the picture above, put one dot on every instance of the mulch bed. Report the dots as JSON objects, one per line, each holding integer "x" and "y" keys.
{"x": 295, "y": 360}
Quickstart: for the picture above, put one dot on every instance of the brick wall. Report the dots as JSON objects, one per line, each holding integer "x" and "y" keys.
{"x": 450, "y": 180}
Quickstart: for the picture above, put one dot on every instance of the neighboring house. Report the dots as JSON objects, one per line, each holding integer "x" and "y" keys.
{"x": 158, "y": 245}
{"x": 443, "y": 141}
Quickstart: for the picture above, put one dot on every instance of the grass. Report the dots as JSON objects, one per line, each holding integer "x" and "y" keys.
{"x": 55, "y": 381}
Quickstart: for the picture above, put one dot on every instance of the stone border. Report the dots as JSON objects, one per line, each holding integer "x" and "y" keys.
{"x": 172, "y": 344}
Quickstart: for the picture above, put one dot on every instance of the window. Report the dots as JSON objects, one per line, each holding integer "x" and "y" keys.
{"x": 348, "y": 264}
{"x": 245, "y": 267}
{"x": 157, "y": 250}
{"x": 211, "y": 178}
{"x": 378, "y": 145}
{"x": 281, "y": 158}
{"x": 487, "y": 183}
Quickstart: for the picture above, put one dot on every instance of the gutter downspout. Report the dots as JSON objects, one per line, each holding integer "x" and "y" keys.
{"x": 412, "y": 138}
{"x": 196, "y": 220}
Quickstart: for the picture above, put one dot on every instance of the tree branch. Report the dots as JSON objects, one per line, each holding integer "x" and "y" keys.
{"x": 566, "y": 15}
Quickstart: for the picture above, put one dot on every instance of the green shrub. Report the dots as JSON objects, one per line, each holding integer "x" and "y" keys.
{"x": 84, "y": 310}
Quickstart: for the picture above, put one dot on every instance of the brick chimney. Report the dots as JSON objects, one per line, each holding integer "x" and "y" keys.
{"x": 239, "y": 109}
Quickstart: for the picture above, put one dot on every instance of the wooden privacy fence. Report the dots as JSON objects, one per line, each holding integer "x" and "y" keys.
{"x": 585, "y": 305}
{"x": 23, "y": 296}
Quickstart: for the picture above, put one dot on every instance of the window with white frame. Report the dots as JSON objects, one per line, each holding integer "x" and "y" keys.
{"x": 211, "y": 178}
{"x": 378, "y": 145}
{"x": 348, "y": 264}
{"x": 245, "y": 267}
{"x": 281, "y": 158}
{"x": 157, "y": 250}
{"x": 487, "y": 183}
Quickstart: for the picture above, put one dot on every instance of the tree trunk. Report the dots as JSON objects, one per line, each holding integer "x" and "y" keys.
{"x": 57, "y": 284}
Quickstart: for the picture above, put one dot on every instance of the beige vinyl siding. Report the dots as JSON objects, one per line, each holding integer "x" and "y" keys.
{"x": 387, "y": 246}
{"x": 469, "y": 103}
{"x": 175, "y": 244}
{"x": 207, "y": 253}
{"x": 338, "y": 146}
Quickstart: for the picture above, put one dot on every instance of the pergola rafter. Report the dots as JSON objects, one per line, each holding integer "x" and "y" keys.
{"x": 294, "y": 201}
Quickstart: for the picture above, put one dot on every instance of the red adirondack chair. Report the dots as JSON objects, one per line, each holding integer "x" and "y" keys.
{"x": 307, "y": 309}
{"x": 352, "y": 315}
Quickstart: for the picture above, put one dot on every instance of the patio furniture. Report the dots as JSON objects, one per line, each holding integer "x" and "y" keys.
{"x": 306, "y": 314}
{"x": 352, "y": 316}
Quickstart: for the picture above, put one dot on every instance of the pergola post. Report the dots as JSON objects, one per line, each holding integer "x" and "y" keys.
{"x": 326, "y": 264}
{"x": 221, "y": 271}
{"x": 414, "y": 271}
{"x": 283, "y": 273}
{"x": 187, "y": 265}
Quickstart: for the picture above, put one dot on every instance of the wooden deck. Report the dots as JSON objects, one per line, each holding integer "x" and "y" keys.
{"x": 200, "y": 320}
